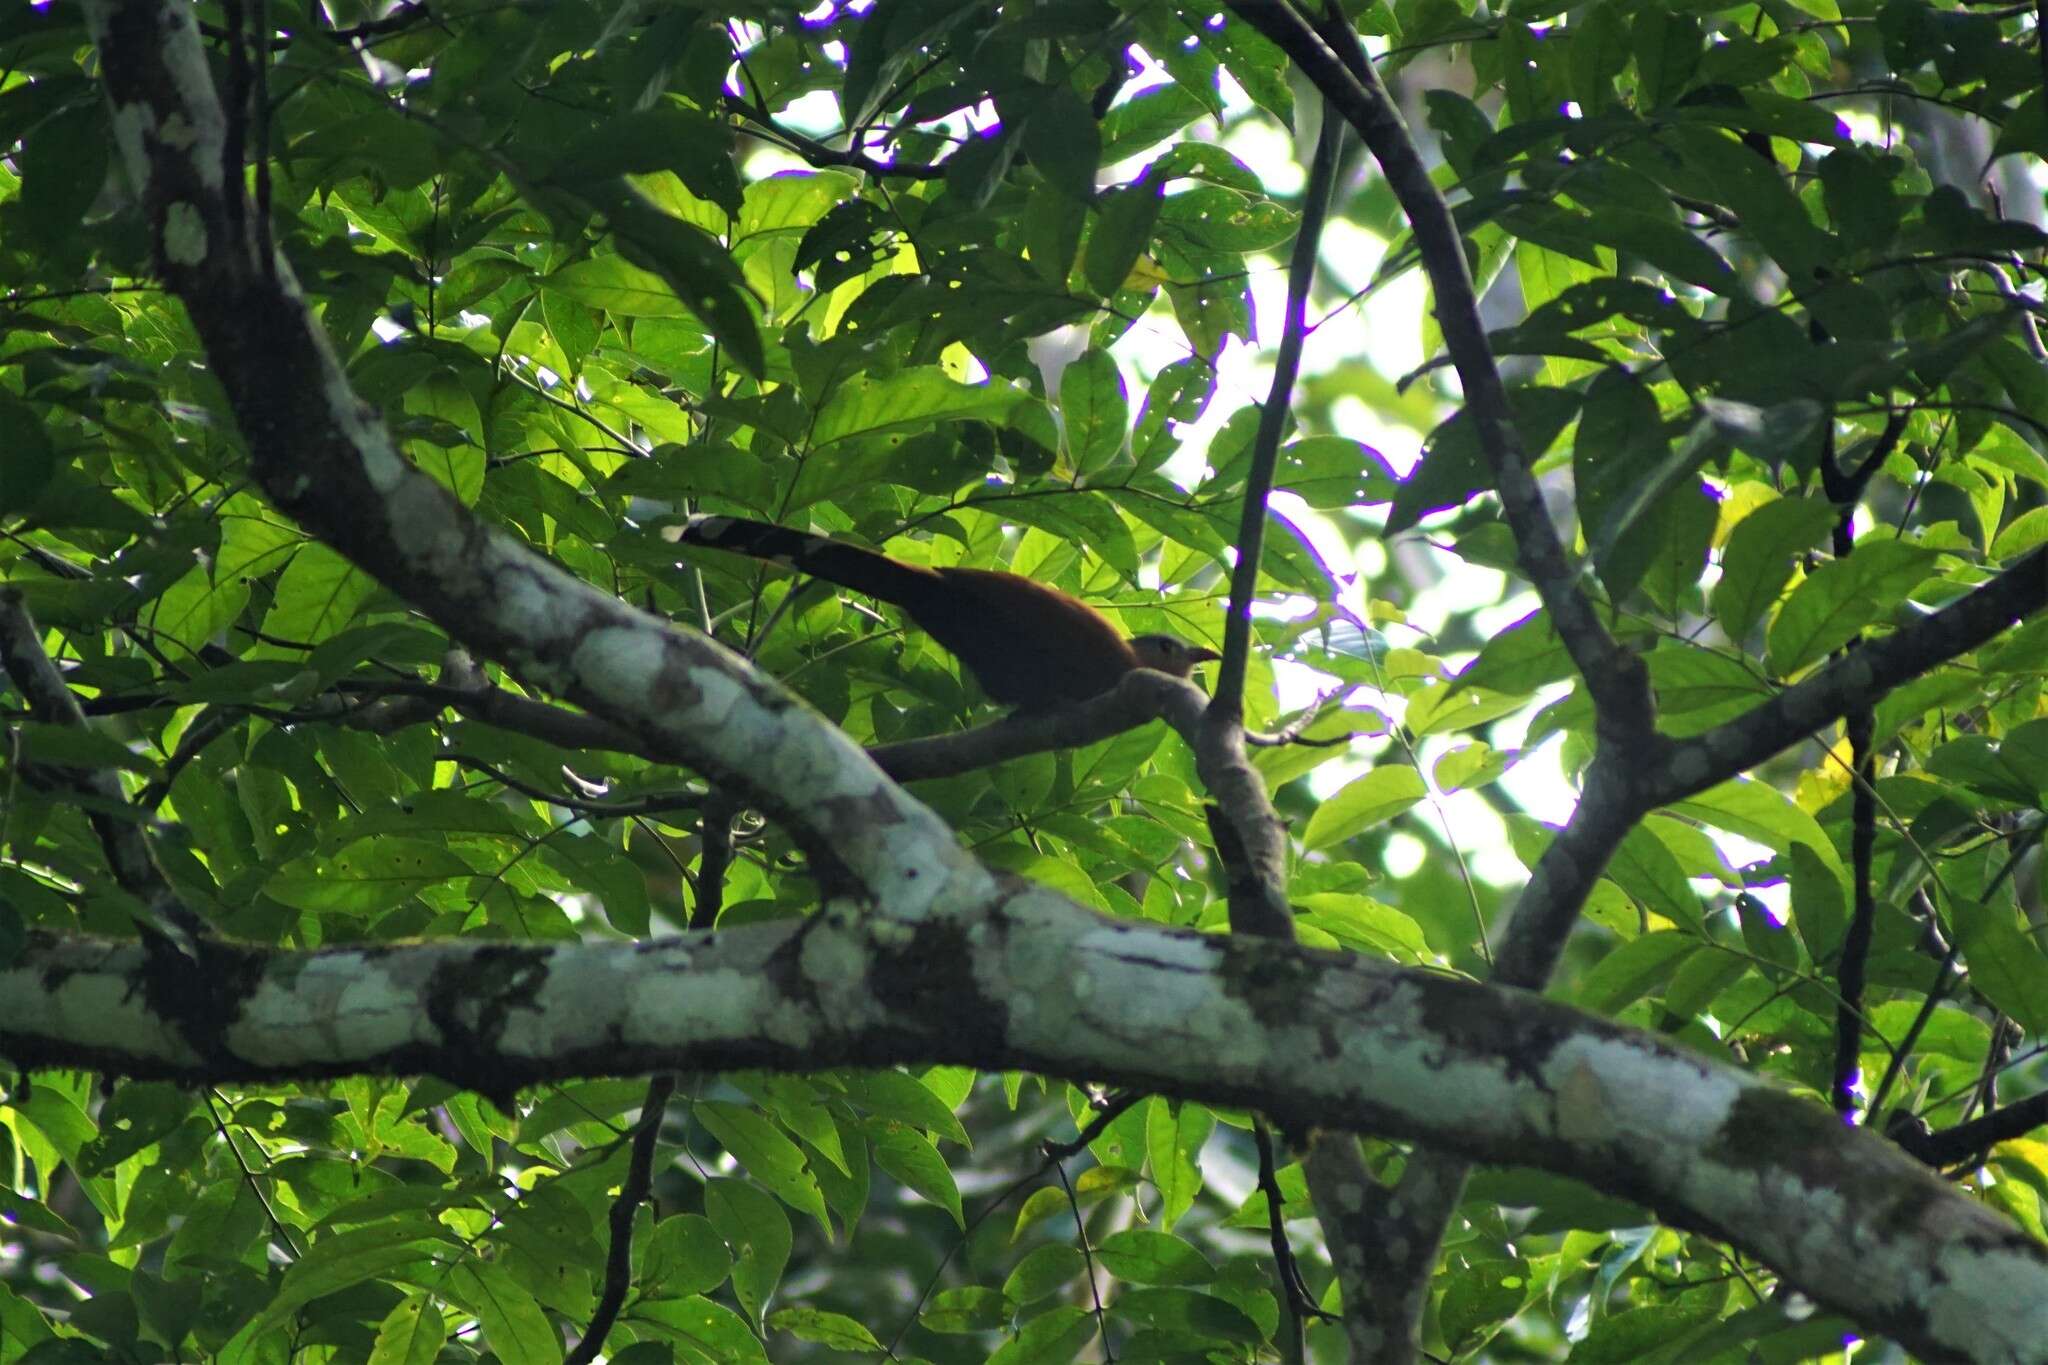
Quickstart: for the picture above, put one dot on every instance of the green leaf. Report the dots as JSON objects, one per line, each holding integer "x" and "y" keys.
{"x": 1365, "y": 924}
{"x": 1759, "y": 557}
{"x": 457, "y": 462}
{"x": 1642, "y": 1333}
{"x": 1052, "y": 227}
{"x": 675, "y": 265}
{"x": 27, "y": 457}
{"x": 1596, "y": 53}
{"x": 1143, "y": 1256}
{"x": 1186, "y": 1310}
{"x": 1174, "y": 1137}
{"x": 1760, "y": 812}
{"x": 910, "y": 1157}
{"x": 685, "y": 1255}
{"x": 1096, "y": 409}
{"x": 342, "y": 1260}
{"x": 366, "y": 878}
{"x": 911, "y": 398}
{"x": 1204, "y": 161}
{"x": 705, "y": 1330}
{"x": 1441, "y": 709}
{"x": 668, "y": 137}
{"x": 769, "y": 1157}
{"x": 1700, "y": 981}
{"x": 1633, "y": 970}
{"x": 1479, "y": 1299}
{"x": 1043, "y": 1271}
{"x": 833, "y": 1330}
{"x": 1212, "y": 218}
{"x": 905, "y": 1098}
{"x": 1256, "y": 62}
{"x": 1147, "y": 119}
{"x": 1667, "y": 49}
{"x": 1363, "y": 802}
{"x": 1858, "y": 193}
{"x": 2025, "y": 532}
{"x": 411, "y": 1334}
{"x": 1121, "y": 231}
{"x": 1644, "y": 867}
{"x": 615, "y": 285}
{"x": 1840, "y": 598}
{"x": 1334, "y": 472}
{"x": 195, "y": 609}
{"x": 68, "y": 746}
{"x": 757, "y": 1230}
{"x": 1518, "y": 660}
{"x": 1729, "y": 173}
{"x": 1064, "y": 142}
{"x": 1051, "y": 1338}
{"x": 63, "y": 165}
{"x": 317, "y": 596}
{"x": 1664, "y": 244}
{"x": 968, "y": 1308}
{"x": 1040, "y": 1205}
{"x": 1818, "y": 908}
{"x": 138, "y": 1114}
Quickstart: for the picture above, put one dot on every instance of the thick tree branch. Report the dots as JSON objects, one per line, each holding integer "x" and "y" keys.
{"x": 1563, "y": 877}
{"x": 1026, "y": 979}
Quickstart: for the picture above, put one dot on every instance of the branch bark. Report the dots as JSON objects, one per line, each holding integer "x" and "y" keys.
{"x": 1024, "y": 978}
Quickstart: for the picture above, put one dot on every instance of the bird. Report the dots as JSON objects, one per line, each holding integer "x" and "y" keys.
{"x": 1030, "y": 646}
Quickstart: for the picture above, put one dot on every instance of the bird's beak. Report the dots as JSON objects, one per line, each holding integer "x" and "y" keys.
{"x": 1202, "y": 654}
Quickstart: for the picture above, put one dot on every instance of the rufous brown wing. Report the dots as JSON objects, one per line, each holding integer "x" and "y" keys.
{"x": 1029, "y": 645}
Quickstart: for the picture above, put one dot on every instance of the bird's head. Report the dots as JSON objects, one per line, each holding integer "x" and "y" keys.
{"x": 1170, "y": 654}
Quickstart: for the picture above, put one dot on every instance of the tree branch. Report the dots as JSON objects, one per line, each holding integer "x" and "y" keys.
{"x": 115, "y": 822}
{"x": 1330, "y": 57}
{"x": 1487, "y": 1073}
{"x": 326, "y": 461}
{"x": 1858, "y": 678}
{"x": 1265, "y": 456}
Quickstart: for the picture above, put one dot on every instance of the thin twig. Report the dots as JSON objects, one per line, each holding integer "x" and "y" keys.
{"x": 618, "y": 1261}
{"x": 1265, "y": 457}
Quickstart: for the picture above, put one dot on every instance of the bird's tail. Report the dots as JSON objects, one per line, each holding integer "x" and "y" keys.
{"x": 864, "y": 571}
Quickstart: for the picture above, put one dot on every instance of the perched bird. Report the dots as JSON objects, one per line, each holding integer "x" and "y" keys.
{"x": 1031, "y": 646}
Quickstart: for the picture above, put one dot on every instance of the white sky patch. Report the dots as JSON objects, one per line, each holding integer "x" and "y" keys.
{"x": 816, "y": 113}
{"x": 1776, "y": 899}
{"x": 1403, "y": 855}
{"x": 1267, "y": 148}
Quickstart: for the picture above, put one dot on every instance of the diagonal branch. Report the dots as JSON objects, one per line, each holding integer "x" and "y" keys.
{"x": 116, "y": 824}
{"x": 1330, "y": 56}
{"x": 326, "y": 461}
{"x": 1258, "y": 484}
{"x": 1858, "y": 678}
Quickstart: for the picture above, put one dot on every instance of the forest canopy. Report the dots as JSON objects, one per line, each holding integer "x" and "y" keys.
{"x": 1589, "y": 906}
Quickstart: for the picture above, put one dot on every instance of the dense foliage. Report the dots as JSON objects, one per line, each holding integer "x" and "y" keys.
{"x": 1771, "y": 343}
